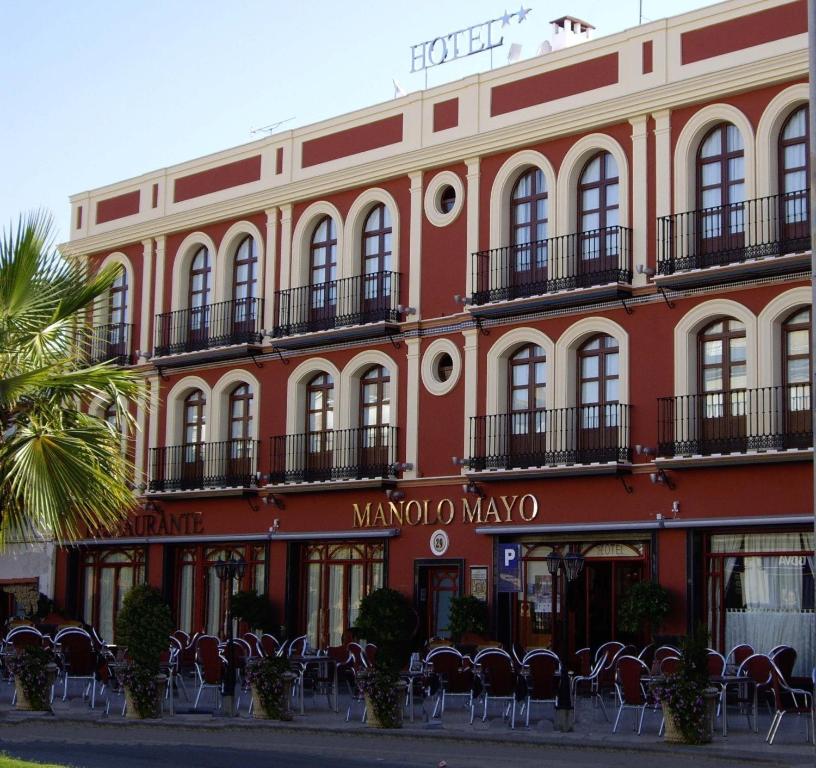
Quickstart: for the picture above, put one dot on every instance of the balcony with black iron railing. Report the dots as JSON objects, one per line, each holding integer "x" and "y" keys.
{"x": 769, "y": 422}
{"x": 363, "y": 306}
{"x": 577, "y": 440}
{"x": 557, "y": 271}
{"x": 358, "y": 454}
{"x": 110, "y": 343}
{"x": 209, "y": 330}
{"x": 765, "y": 236}
{"x": 231, "y": 464}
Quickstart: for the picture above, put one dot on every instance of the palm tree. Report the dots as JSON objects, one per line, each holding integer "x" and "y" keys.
{"x": 62, "y": 469}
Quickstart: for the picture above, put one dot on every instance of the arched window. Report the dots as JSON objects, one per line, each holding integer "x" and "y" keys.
{"x": 796, "y": 377}
{"x": 599, "y": 215}
{"x": 244, "y": 286}
{"x": 107, "y": 576}
{"x": 319, "y": 426}
{"x": 111, "y": 416}
{"x": 240, "y": 413}
{"x": 375, "y": 420}
{"x": 720, "y": 192}
{"x": 117, "y": 303}
{"x": 376, "y": 263}
{"x": 115, "y": 340}
{"x": 527, "y": 385}
{"x": 199, "y": 294}
{"x": 598, "y": 409}
{"x": 195, "y": 434}
{"x": 793, "y": 178}
{"x": 722, "y": 380}
{"x": 529, "y": 212}
{"x": 323, "y": 275}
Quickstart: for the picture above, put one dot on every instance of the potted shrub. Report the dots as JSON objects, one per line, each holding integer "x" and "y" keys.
{"x": 271, "y": 680}
{"x": 387, "y": 620}
{"x": 689, "y": 703}
{"x": 143, "y": 626}
{"x": 34, "y": 671}
{"x": 255, "y": 610}
{"x": 468, "y": 616}
{"x": 644, "y": 603}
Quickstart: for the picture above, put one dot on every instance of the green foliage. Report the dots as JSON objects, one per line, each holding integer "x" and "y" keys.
{"x": 645, "y": 602}
{"x": 31, "y": 669}
{"x": 266, "y": 677}
{"x": 256, "y": 610}
{"x": 467, "y": 614}
{"x": 143, "y": 626}
{"x": 141, "y": 684}
{"x": 380, "y": 685}
{"x": 387, "y": 620}
{"x": 62, "y": 472}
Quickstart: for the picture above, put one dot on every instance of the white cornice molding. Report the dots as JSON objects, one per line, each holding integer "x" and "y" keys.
{"x": 536, "y": 130}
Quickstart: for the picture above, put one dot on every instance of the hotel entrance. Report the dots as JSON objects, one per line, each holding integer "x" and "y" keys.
{"x": 610, "y": 568}
{"x": 436, "y": 583}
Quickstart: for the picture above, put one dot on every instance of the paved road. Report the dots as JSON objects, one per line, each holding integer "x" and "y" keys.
{"x": 304, "y": 750}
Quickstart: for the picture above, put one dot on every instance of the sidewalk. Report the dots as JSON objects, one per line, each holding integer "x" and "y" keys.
{"x": 74, "y": 720}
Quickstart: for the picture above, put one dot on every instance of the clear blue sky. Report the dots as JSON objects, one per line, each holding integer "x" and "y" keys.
{"x": 97, "y": 92}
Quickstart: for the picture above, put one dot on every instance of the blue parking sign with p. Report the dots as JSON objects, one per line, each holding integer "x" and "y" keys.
{"x": 509, "y": 567}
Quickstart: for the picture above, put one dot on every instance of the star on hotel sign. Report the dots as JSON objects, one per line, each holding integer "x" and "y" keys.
{"x": 462, "y": 42}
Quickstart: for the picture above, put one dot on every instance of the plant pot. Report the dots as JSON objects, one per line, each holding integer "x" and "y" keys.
{"x": 372, "y": 719}
{"x": 131, "y": 711}
{"x": 24, "y": 704}
{"x": 258, "y": 711}
{"x": 673, "y": 733}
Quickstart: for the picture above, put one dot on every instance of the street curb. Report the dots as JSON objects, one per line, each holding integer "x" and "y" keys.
{"x": 216, "y": 724}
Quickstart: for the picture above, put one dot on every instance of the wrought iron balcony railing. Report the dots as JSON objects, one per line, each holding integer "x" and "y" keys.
{"x": 372, "y": 298}
{"x": 212, "y": 325}
{"x": 734, "y": 233}
{"x": 580, "y": 260}
{"x": 549, "y": 438}
{"x": 110, "y": 343}
{"x": 198, "y": 466}
{"x": 735, "y": 421}
{"x": 339, "y": 454}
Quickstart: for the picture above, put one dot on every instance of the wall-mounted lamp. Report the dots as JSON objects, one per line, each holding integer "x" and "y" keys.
{"x": 457, "y": 462}
{"x": 401, "y": 466}
{"x": 403, "y": 310}
{"x": 661, "y": 478}
{"x": 273, "y": 501}
{"x": 644, "y": 450}
{"x": 394, "y": 494}
{"x": 642, "y": 269}
{"x": 463, "y": 300}
{"x": 275, "y": 525}
{"x": 675, "y": 508}
{"x": 472, "y": 488}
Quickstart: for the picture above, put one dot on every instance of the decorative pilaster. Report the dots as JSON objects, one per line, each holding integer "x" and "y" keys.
{"x": 415, "y": 245}
{"x": 640, "y": 214}
{"x": 472, "y": 236}
{"x": 412, "y": 408}
{"x": 471, "y": 382}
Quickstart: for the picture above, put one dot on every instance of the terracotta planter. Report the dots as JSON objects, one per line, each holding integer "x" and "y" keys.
{"x": 674, "y": 735}
{"x": 24, "y": 703}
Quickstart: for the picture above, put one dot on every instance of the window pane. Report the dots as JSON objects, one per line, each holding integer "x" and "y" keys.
{"x": 712, "y": 380}
{"x": 798, "y": 341}
{"x": 736, "y": 168}
{"x": 611, "y": 166}
{"x": 590, "y": 199}
{"x": 737, "y": 350}
{"x": 712, "y": 352}
{"x": 795, "y": 126}
{"x": 712, "y": 145}
{"x": 589, "y": 367}
{"x": 611, "y": 390}
{"x": 589, "y": 392}
{"x": 592, "y": 171}
{"x": 711, "y": 174}
{"x": 734, "y": 139}
{"x": 798, "y": 371}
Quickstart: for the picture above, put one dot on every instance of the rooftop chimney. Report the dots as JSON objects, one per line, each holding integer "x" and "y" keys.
{"x": 567, "y": 31}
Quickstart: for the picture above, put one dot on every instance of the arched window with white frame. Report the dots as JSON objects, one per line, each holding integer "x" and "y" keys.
{"x": 323, "y": 275}
{"x": 194, "y": 431}
{"x": 526, "y": 395}
{"x": 529, "y": 230}
{"x": 240, "y": 448}
{"x": 598, "y": 412}
{"x": 198, "y": 296}
{"x": 794, "y": 204}
{"x": 599, "y": 235}
{"x": 319, "y": 427}
{"x": 376, "y": 264}
{"x": 244, "y": 288}
{"x": 375, "y": 421}
{"x": 796, "y": 378}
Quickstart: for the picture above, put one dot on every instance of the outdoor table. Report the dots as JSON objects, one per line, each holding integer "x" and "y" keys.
{"x": 410, "y": 677}
{"x": 723, "y": 681}
{"x": 320, "y": 662}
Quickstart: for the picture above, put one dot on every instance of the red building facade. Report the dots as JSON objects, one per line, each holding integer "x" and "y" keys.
{"x": 564, "y": 304}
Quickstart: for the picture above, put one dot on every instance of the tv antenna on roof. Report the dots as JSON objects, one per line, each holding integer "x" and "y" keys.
{"x": 271, "y": 127}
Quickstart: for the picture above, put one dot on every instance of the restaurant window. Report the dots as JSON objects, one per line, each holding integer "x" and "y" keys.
{"x": 337, "y": 577}
{"x": 107, "y": 576}
{"x": 201, "y": 597}
{"x": 760, "y": 592}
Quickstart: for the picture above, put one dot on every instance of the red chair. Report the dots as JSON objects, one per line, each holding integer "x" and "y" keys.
{"x": 541, "y": 668}
{"x": 629, "y": 672}
{"x": 790, "y": 701}
{"x": 80, "y": 662}
{"x": 448, "y": 674}
{"x": 591, "y": 680}
{"x": 209, "y": 666}
{"x": 499, "y": 683}
{"x": 784, "y": 657}
{"x": 738, "y": 654}
{"x": 756, "y": 669}
{"x": 254, "y": 644}
{"x": 270, "y": 645}
{"x": 662, "y": 653}
{"x": 583, "y": 662}
{"x": 298, "y": 646}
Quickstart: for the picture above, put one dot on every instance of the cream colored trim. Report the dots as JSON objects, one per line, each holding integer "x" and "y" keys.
{"x": 175, "y": 402}
{"x": 153, "y": 411}
{"x": 286, "y": 247}
{"x": 352, "y": 254}
{"x": 101, "y": 304}
{"x": 181, "y": 269}
{"x": 688, "y": 142}
{"x": 685, "y": 341}
{"x": 147, "y": 287}
{"x": 502, "y": 188}
{"x": 663, "y": 162}
{"x": 158, "y": 294}
{"x": 223, "y": 267}
{"x": 570, "y": 172}
{"x": 640, "y": 198}
{"x": 471, "y": 383}
{"x": 140, "y": 463}
{"x": 350, "y": 377}
{"x": 269, "y": 275}
{"x": 430, "y": 358}
{"x": 769, "y": 329}
{"x": 219, "y": 430}
{"x": 773, "y": 117}
{"x": 567, "y": 346}
{"x": 497, "y": 359}
{"x": 412, "y": 347}
{"x": 415, "y": 246}
{"x": 472, "y": 235}
{"x": 302, "y": 238}
{"x": 433, "y": 196}
{"x": 296, "y": 393}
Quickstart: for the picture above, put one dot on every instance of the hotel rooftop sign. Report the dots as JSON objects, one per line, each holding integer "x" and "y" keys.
{"x": 462, "y": 42}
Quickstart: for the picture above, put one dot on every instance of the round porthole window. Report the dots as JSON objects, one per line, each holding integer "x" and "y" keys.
{"x": 444, "y": 198}
{"x": 447, "y": 199}
{"x": 441, "y": 366}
